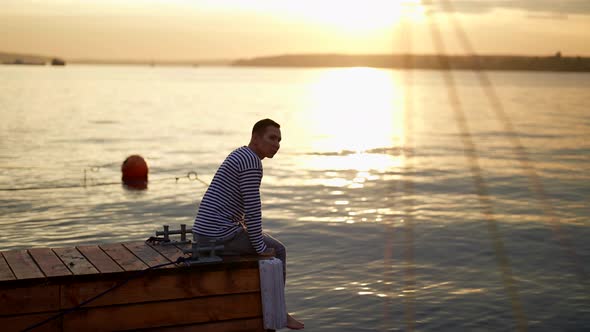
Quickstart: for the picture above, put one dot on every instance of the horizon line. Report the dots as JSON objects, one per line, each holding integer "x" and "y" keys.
{"x": 131, "y": 60}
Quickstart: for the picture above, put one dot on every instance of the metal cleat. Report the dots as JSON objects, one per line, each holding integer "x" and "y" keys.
{"x": 198, "y": 249}
{"x": 163, "y": 237}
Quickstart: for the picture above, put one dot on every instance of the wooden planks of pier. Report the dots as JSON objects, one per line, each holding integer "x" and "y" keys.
{"x": 38, "y": 284}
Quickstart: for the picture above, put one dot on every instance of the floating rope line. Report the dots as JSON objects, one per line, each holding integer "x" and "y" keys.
{"x": 483, "y": 196}
{"x": 67, "y": 186}
{"x": 191, "y": 176}
{"x": 527, "y": 166}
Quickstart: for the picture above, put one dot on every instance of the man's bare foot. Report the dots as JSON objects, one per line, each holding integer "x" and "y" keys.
{"x": 294, "y": 324}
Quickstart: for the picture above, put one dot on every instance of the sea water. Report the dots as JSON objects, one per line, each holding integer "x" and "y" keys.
{"x": 407, "y": 201}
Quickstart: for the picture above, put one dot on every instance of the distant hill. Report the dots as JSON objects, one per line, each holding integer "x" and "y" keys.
{"x": 28, "y": 59}
{"x": 556, "y": 62}
{"x": 144, "y": 62}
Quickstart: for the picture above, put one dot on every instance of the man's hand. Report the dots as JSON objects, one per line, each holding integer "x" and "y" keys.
{"x": 269, "y": 252}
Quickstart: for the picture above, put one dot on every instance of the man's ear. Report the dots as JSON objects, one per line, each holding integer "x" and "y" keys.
{"x": 254, "y": 138}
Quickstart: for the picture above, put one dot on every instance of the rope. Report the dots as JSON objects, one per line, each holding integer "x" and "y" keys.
{"x": 471, "y": 153}
{"x": 70, "y": 310}
{"x": 191, "y": 176}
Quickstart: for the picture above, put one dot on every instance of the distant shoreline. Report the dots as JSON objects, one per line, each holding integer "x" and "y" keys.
{"x": 29, "y": 59}
{"x": 555, "y": 62}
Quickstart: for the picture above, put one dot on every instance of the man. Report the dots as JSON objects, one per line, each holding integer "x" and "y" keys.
{"x": 231, "y": 211}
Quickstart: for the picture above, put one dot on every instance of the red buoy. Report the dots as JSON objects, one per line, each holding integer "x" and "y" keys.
{"x": 135, "y": 172}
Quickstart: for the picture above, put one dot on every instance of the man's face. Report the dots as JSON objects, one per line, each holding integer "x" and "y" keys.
{"x": 269, "y": 143}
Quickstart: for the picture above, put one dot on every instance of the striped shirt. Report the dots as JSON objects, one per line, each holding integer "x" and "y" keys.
{"x": 233, "y": 199}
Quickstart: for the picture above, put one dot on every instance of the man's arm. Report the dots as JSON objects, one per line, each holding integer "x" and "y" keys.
{"x": 250, "y": 188}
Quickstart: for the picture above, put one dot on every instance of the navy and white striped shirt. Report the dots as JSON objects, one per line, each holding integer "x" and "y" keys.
{"x": 233, "y": 198}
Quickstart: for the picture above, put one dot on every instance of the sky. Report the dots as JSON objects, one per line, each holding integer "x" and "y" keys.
{"x": 186, "y": 30}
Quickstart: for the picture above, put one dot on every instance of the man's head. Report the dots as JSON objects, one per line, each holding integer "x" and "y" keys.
{"x": 266, "y": 138}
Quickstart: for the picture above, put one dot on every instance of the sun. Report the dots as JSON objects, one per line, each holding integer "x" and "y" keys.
{"x": 352, "y": 110}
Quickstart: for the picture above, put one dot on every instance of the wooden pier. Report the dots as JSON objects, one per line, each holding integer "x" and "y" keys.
{"x": 38, "y": 284}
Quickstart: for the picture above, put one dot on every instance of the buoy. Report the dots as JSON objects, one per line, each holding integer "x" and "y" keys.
{"x": 135, "y": 172}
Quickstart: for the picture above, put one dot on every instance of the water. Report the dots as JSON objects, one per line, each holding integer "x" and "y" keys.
{"x": 373, "y": 191}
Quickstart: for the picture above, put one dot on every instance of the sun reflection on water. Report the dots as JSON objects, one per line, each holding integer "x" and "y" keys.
{"x": 355, "y": 109}
{"x": 352, "y": 119}
{"x": 348, "y": 139}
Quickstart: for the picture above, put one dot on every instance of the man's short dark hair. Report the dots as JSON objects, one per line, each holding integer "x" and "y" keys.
{"x": 260, "y": 126}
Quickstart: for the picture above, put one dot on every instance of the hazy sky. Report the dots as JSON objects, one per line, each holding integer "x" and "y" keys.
{"x": 208, "y": 29}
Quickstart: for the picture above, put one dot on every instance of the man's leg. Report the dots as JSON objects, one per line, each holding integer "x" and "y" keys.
{"x": 240, "y": 244}
{"x": 280, "y": 251}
